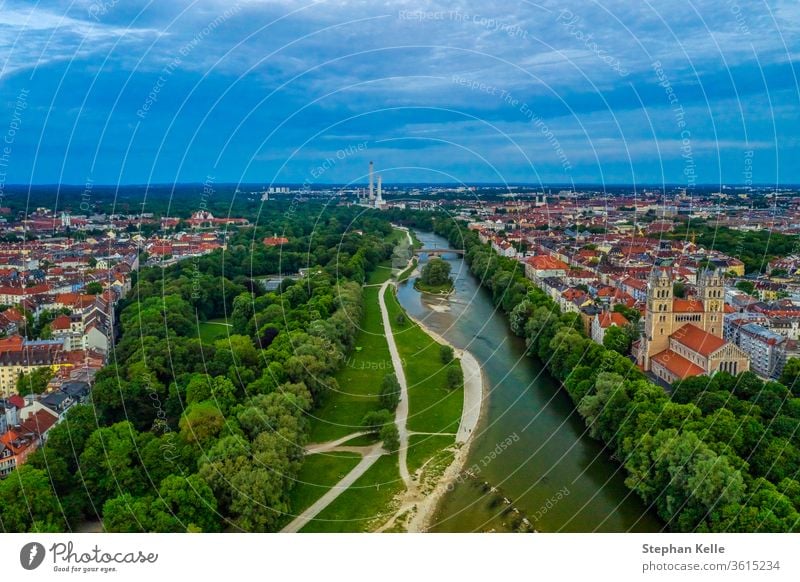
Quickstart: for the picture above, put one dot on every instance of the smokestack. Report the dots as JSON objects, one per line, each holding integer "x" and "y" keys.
{"x": 371, "y": 193}
{"x": 380, "y": 195}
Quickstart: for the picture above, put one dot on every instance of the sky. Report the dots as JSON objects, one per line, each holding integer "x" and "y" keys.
{"x": 259, "y": 91}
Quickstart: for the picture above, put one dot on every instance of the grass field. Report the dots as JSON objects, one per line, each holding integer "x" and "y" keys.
{"x": 380, "y": 273}
{"x": 359, "y": 379}
{"x": 214, "y": 329}
{"x": 434, "y": 289}
{"x": 433, "y": 407}
{"x": 319, "y": 473}
{"x": 363, "y": 440}
{"x": 367, "y": 499}
{"x": 422, "y": 447}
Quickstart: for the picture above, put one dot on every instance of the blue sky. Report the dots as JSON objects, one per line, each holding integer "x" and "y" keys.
{"x": 127, "y": 91}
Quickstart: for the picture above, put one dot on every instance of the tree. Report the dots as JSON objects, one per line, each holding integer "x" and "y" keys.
{"x": 617, "y": 339}
{"x": 455, "y": 376}
{"x": 201, "y": 422}
{"x": 679, "y": 289}
{"x": 390, "y": 437}
{"x": 791, "y": 374}
{"x": 27, "y": 502}
{"x": 746, "y": 286}
{"x": 35, "y": 382}
{"x": 94, "y": 288}
{"x": 186, "y": 503}
{"x": 110, "y": 463}
{"x": 436, "y": 272}
{"x": 446, "y": 354}
{"x": 390, "y": 392}
{"x": 375, "y": 419}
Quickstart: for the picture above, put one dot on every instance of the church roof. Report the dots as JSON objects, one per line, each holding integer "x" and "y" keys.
{"x": 677, "y": 364}
{"x": 698, "y": 340}
{"x": 687, "y": 306}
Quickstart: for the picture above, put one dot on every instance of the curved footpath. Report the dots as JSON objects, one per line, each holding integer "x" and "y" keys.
{"x": 401, "y": 414}
{"x": 474, "y": 398}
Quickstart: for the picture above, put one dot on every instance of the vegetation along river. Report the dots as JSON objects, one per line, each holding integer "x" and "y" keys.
{"x": 532, "y": 458}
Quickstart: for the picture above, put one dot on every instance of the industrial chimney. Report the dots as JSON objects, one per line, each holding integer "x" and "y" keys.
{"x": 371, "y": 192}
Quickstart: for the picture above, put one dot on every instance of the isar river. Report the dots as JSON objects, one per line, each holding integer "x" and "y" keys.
{"x": 532, "y": 456}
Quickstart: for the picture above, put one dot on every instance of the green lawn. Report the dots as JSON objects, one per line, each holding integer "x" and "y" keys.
{"x": 396, "y": 236}
{"x": 359, "y": 378}
{"x": 380, "y": 273}
{"x": 363, "y": 440}
{"x": 433, "y": 289}
{"x": 367, "y": 499}
{"x": 422, "y": 447}
{"x": 433, "y": 407}
{"x": 319, "y": 473}
{"x": 214, "y": 329}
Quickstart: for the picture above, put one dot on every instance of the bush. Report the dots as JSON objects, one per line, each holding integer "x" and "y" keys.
{"x": 454, "y": 376}
{"x": 447, "y": 354}
{"x": 390, "y": 437}
{"x": 374, "y": 420}
{"x": 400, "y": 319}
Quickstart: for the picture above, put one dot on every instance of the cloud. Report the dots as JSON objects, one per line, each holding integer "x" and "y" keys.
{"x": 274, "y": 74}
{"x": 32, "y": 36}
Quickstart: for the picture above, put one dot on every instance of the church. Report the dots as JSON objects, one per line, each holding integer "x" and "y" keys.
{"x": 683, "y": 337}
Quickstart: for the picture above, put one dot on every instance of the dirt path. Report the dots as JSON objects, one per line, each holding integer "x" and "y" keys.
{"x": 401, "y": 414}
{"x": 328, "y": 446}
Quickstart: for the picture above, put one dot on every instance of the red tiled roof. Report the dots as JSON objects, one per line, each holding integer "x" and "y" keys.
{"x": 60, "y": 322}
{"x": 11, "y": 344}
{"x": 635, "y": 283}
{"x": 687, "y": 306}
{"x": 607, "y": 318}
{"x": 573, "y": 293}
{"x": 13, "y": 315}
{"x": 677, "y": 364}
{"x": 698, "y": 340}
{"x": 17, "y": 401}
{"x": 40, "y": 422}
{"x": 546, "y": 263}
{"x": 274, "y": 241}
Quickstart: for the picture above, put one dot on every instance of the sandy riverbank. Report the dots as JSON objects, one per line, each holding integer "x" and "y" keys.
{"x": 475, "y": 395}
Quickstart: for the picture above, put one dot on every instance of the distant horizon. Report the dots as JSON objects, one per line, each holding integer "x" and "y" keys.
{"x": 385, "y": 184}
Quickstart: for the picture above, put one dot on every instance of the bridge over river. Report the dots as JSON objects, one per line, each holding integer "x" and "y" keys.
{"x": 437, "y": 251}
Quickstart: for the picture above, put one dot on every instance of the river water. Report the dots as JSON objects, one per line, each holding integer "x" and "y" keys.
{"x": 531, "y": 446}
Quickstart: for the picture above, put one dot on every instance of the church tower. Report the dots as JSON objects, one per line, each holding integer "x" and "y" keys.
{"x": 658, "y": 318}
{"x": 711, "y": 293}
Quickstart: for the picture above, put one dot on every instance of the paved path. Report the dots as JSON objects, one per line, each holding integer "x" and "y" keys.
{"x": 375, "y": 452}
{"x": 325, "y": 447}
{"x": 401, "y": 415}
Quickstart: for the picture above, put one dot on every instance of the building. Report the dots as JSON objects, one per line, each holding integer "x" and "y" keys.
{"x": 684, "y": 337}
{"x": 765, "y": 348}
{"x": 542, "y": 266}
{"x": 22, "y": 357}
{"x": 602, "y": 321}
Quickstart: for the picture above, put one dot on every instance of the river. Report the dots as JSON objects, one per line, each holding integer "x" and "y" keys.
{"x": 531, "y": 446}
